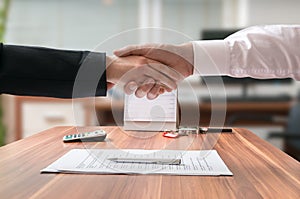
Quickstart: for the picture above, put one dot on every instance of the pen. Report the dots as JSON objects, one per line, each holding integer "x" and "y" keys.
{"x": 146, "y": 160}
{"x": 214, "y": 130}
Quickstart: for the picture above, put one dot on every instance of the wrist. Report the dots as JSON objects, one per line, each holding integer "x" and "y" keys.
{"x": 110, "y": 72}
{"x": 188, "y": 55}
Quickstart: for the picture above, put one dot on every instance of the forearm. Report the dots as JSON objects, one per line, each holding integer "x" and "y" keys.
{"x": 259, "y": 52}
{"x": 36, "y": 71}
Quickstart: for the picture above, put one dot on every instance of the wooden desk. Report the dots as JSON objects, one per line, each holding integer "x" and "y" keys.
{"x": 260, "y": 170}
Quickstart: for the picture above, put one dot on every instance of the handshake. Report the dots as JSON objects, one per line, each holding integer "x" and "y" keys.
{"x": 150, "y": 69}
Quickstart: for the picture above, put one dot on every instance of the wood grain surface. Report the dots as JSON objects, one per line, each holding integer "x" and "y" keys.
{"x": 259, "y": 169}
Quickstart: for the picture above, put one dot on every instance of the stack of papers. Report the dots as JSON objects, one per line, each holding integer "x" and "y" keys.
{"x": 100, "y": 161}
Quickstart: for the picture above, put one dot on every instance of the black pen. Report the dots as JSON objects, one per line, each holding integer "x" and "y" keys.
{"x": 214, "y": 130}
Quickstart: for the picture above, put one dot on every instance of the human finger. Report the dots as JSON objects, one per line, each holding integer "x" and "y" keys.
{"x": 154, "y": 92}
{"x": 161, "y": 90}
{"x": 166, "y": 70}
{"x": 130, "y": 87}
{"x": 141, "y": 80}
{"x": 145, "y": 88}
{"x": 160, "y": 74}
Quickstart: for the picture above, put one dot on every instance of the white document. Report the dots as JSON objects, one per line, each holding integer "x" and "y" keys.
{"x": 151, "y": 115}
{"x": 96, "y": 161}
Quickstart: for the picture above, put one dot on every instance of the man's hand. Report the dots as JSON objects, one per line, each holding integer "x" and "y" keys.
{"x": 178, "y": 57}
{"x": 141, "y": 75}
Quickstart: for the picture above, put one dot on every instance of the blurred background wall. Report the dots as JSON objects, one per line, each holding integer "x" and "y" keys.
{"x": 83, "y": 24}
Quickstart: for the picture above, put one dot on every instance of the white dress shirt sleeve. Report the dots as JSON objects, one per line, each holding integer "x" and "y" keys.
{"x": 260, "y": 52}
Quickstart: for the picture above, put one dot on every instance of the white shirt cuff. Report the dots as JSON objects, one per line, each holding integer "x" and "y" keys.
{"x": 211, "y": 57}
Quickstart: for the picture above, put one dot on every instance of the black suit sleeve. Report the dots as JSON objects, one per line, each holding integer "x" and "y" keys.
{"x": 37, "y": 71}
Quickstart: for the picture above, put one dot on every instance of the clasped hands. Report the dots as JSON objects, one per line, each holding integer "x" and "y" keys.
{"x": 150, "y": 69}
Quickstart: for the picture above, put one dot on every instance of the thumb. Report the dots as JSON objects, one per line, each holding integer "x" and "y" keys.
{"x": 125, "y": 51}
{"x": 132, "y": 50}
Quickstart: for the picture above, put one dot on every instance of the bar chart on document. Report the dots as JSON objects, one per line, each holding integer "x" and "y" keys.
{"x": 151, "y": 115}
